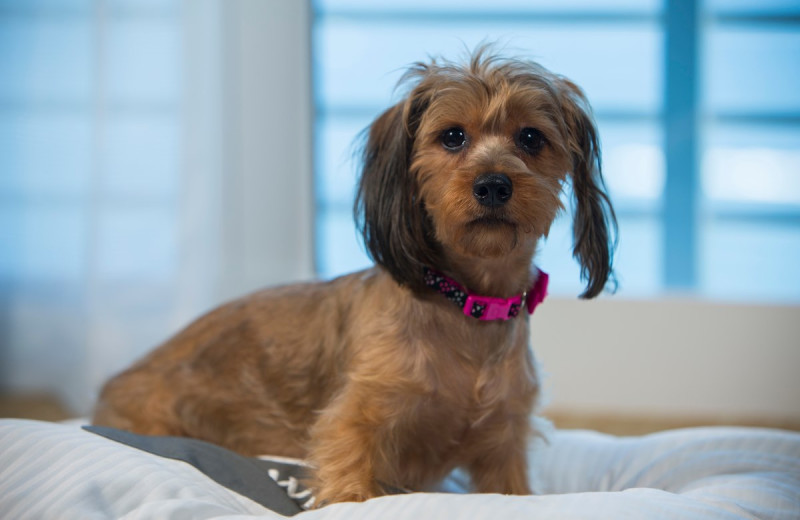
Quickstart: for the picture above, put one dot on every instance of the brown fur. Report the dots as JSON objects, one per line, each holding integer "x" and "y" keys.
{"x": 374, "y": 378}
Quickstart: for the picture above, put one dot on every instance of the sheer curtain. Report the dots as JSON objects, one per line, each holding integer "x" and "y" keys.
{"x": 154, "y": 161}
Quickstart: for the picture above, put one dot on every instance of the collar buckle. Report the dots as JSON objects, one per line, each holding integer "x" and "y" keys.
{"x": 486, "y": 308}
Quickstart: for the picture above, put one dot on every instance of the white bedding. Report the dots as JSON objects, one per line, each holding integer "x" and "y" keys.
{"x": 60, "y": 471}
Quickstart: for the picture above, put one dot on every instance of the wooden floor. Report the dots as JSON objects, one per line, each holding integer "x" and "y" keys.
{"x": 33, "y": 406}
{"x": 48, "y": 408}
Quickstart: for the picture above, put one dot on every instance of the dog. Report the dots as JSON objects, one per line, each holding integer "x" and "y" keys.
{"x": 393, "y": 376}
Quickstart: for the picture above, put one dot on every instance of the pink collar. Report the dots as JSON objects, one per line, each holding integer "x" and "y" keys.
{"x": 488, "y": 307}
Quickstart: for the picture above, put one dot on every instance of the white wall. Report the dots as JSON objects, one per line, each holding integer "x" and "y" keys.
{"x": 670, "y": 358}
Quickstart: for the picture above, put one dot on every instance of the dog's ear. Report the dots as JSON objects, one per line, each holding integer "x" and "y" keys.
{"x": 389, "y": 213}
{"x": 595, "y": 224}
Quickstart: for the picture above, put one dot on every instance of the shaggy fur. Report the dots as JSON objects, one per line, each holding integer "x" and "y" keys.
{"x": 374, "y": 378}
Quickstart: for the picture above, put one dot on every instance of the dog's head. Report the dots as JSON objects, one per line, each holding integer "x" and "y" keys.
{"x": 473, "y": 161}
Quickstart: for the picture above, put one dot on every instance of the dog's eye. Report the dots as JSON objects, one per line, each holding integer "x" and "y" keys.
{"x": 531, "y": 140}
{"x": 454, "y": 138}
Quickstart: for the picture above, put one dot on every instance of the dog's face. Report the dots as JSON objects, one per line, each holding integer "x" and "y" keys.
{"x": 489, "y": 161}
{"x": 473, "y": 162}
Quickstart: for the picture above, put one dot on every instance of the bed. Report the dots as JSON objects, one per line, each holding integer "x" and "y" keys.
{"x": 63, "y": 470}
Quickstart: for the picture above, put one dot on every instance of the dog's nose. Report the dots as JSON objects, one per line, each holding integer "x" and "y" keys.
{"x": 492, "y": 189}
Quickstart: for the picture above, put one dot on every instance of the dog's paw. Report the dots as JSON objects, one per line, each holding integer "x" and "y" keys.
{"x": 327, "y": 496}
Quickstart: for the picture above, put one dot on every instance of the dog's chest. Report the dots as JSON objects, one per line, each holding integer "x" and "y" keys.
{"x": 461, "y": 418}
{"x": 469, "y": 398}
{"x": 483, "y": 371}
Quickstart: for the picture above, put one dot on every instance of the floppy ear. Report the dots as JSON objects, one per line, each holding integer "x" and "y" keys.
{"x": 595, "y": 224}
{"x": 389, "y": 213}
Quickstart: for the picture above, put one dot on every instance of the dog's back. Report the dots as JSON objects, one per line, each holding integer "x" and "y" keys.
{"x": 249, "y": 375}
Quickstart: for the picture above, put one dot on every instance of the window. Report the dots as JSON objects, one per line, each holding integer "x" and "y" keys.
{"x": 725, "y": 226}
{"x": 138, "y": 139}
{"x": 90, "y": 142}
{"x": 88, "y": 105}
{"x": 749, "y": 233}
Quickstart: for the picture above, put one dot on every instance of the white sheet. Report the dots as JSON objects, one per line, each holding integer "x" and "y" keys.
{"x": 60, "y": 471}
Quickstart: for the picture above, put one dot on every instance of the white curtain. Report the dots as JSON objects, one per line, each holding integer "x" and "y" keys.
{"x": 154, "y": 161}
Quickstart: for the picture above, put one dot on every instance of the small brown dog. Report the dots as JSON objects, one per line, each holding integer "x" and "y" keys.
{"x": 377, "y": 378}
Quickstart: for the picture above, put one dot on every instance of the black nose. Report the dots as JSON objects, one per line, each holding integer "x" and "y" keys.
{"x": 492, "y": 189}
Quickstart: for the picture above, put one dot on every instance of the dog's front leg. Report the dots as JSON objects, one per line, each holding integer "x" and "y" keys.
{"x": 502, "y": 464}
{"x": 346, "y": 447}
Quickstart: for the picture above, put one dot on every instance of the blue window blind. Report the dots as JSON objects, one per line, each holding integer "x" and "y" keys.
{"x": 90, "y": 144}
{"x": 89, "y": 139}
{"x": 749, "y": 229}
{"x": 727, "y": 226}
